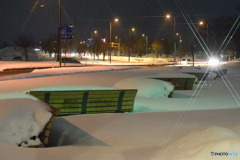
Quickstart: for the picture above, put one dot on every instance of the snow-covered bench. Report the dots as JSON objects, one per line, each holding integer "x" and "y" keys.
{"x": 181, "y": 83}
{"x": 44, "y": 135}
{"x": 25, "y": 120}
{"x": 72, "y": 102}
{"x": 220, "y": 73}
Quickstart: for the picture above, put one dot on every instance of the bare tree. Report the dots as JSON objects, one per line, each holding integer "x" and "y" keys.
{"x": 3, "y": 45}
{"x": 50, "y": 44}
{"x": 157, "y": 46}
{"x": 24, "y": 44}
{"x": 167, "y": 47}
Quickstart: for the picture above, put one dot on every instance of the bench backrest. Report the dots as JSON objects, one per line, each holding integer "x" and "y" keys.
{"x": 180, "y": 83}
{"x": 89, "y": 101}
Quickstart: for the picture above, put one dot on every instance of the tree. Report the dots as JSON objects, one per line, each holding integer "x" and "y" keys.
{"x": 99, "y": 47}
{"x": 3, "y": 45}
{"x": 167, "y": 47}
{"x": 50, "y": 45}
{"x": 25, "y": 44}
{"x": 157, "y": 46}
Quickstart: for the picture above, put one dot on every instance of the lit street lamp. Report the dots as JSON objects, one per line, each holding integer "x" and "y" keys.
{"x": 59, "y": 33}
{"x": 180, "y": 43}
{"x": 119, "y": 43}
{"x": 129, "y": 32}
{"x": 174, "y": 34}
{"x": 110, "y": 38}
{"x": 95, "y": 32}
{"x": 146, "y": 45}
{"x": 201, "y": 23}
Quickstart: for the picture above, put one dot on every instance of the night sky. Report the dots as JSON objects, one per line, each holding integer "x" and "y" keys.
{"x": 27, "y": 16}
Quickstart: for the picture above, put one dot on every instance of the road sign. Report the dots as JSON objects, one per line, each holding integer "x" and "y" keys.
{"x": 66, "y": 32}
{"x": 89, "y": 41}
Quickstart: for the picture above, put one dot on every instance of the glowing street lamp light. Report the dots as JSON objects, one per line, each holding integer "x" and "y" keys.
{"x": 168, "y": 16}
{"x": 201, "y": 23}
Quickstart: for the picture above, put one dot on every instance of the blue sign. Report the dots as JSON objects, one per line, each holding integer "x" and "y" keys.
{"x": 66, "y": 33}
{"x": 89, "y": 41}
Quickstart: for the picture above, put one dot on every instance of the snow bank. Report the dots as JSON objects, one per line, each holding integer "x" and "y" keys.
{"x": 204, "y": 144}
{"x": 146, "y": 87}
{"x": 22, "y": 119}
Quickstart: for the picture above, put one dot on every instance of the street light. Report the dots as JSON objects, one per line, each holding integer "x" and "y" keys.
{"x": 59, "y": 33}
{"x": 129, "y": 32}
{"x": 110, "y": 37}
{"x": 94, "y": 32}
{"x": 119, "y": 43}
{"x": 202, "y": 23}
{"x": 180, "y": 43}
{"x": 168, "y": 16}
{"x": 146, "y": 45}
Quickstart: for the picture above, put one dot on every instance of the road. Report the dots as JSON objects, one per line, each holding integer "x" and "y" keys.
{"x": 15, "y": 71}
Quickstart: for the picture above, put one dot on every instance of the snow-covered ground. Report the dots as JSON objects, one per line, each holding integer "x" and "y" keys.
{"x": 199, "y": 124}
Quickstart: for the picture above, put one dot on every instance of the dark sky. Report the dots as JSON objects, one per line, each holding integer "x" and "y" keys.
{"x": 17, "y": 16}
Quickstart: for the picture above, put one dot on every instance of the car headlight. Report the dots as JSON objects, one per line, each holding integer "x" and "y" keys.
{"x": 213, "y": 62}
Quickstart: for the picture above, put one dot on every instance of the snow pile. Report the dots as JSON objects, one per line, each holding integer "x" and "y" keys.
{"x": 207, "y": 144}
{"x": 8, "y": 53}
{"x": 22, "y": 119}
{"x": 146, "y": 87}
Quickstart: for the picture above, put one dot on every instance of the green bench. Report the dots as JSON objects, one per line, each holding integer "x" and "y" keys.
{"x": 220, "y": 73}
{"x": 180, "y": 83}
{"x": 89, "y": 101}
{"x": 44, "y": 135}
{"x": 199, "y": 75}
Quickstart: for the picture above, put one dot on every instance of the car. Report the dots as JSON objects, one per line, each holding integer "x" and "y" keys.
{"x": 185, "y": 61}
{"x": 70, "y": 60}
{"x": 17, "y": 58}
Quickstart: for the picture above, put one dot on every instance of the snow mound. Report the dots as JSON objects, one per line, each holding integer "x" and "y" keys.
{"x": 202, "y": 144}
{"x": 22, "y": 119}
{"x": 71, "y": 88}
{"x": 146, "y": 87}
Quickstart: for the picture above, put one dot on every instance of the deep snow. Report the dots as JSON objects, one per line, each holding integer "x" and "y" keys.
{"x": 190, "y": 125}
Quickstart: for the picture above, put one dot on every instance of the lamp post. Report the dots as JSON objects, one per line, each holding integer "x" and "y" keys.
{"x": 201, "y": 23}
{"x": 129, "y": 32}
{"x": 118, "y": 44}
{"x": 110, "y": 38}
{"x": 174, "y": 34}
{"x": 180, "y": 43}
{"x": 95, "y": 32}
{"x": 146, "y": 45}
{"x": 59, "y": 33}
